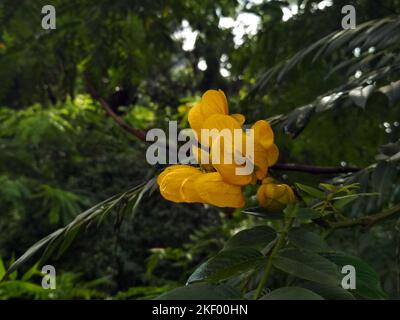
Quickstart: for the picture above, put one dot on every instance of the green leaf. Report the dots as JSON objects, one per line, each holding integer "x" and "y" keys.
{"x": 292, "y": 293}
{"x": 227, "y": 263}
{"x": 367, "y": 280}
{"x": 328, "y": 292}
{"x": 298, "y": 119}
{"x": 308, "y": 266}
{"x": 311, "y": 191}
{"x": 307, "y": 214}
{"x": 328, "y": 187}
{"x": 2, "y": 269}
{"x": 258, "y": 237}
{"x": 263, "y": 213}
{"x": 382, "y": 179}
{"x": 201, "y": 291}
{"x": 308, "y": 241}
{"x": 342, "y": 201}
{"x": 31, "y": 272}
{"x": 31, "y": 251}
{"x": 68, "y": 238}
{"x": 48, "y": 243}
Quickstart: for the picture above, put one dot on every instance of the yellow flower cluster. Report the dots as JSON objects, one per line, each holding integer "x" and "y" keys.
{"x": 216, "y": 182}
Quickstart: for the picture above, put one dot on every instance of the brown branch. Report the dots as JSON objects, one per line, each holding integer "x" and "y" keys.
{"x": 313, "y": 169}
{"x": 368, "y": 222}
{"x": 141, "y": 135}
{"x": 138, "y": 133}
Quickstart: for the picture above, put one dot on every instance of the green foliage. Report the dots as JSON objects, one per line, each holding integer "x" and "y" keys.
{"x": 368, "y": 283}
{"x": 201, "y": 291}
{"x": 71, "y": 177}
{"x": 27, "y": 286}
{"x": 291, "y": 293}
{"x": 313, "y": 269}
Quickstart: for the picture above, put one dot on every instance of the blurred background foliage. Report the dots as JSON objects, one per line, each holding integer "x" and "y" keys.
{"x": 151, "y": 60}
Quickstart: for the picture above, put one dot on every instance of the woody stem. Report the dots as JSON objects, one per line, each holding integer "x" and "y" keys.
{"x": 268, "y": 268}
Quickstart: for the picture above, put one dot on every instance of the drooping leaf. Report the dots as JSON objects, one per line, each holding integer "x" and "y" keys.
{"x": 262, "y": 213}
{"x": 328, "y": 292}
{"x": 382, "y": 179}
{"x": 257, "y": 237}
{"x": 65, "y": 235}
{"x": 227, "y": 263}
{"x": 201, "y": 291}
{"x": 367, "y": 280}
{"x": 311, "y": 191}
{"x": 307, "y": 240}
{"x": 308, "y": 266}
{"x": 297, "y": 120}
{"x": 292, "y": 293}
{"x": 31, "y": 251}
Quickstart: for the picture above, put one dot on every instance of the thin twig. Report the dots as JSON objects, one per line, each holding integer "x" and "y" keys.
{"x": 313, "y": 169}
{"x": 368, "y": 221}
{"x": 141, "y": 135}
{"x": 268, "y": 268}
{"x": 138, "y": 133}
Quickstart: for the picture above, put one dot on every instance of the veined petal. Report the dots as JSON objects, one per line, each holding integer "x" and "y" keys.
{"x": 221, "y": 125}
{"x": 196, "y": 119}
{"x": 220, "y": 122}
{"x": 224, "y": 156}
{"x": 171, "y": 180}
{"x": 239, "y": 118}
{"x": 188, "y": 191}
{"x": 260, "y": 161}
{"x": 272, "y": 155}
{"x": 213, "y": 102}
{"x": 202, "y": 157}
{"x": 170, "y": 169}
{"x": 263, "y": 133}
{"x": 212, "y": 188}
{"x": 228, "y": 172}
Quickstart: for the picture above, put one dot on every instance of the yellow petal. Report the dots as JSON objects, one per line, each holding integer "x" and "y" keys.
{"x": 260, "y": 161}
{"x": 228, "y": 172}
{"x": 223, "y": 125}
{"x": 265, "y": 197}
{"x": 274, "y": 197}
{"x": 239, "y": 118}
{"x": 261, "y": 196}
{"x": 170, "y": 169}
{"x": 202, "y": 157}
{"x": 268, "y": 180}
{"x": 215, "y": 191}
{"x": 225, "y": 147}
{"x": 272, "y": 155}
{"x": 196, "y": 119}
{"x": 220, "y": 122}
{"x": 263, "y": 133}
{"x": 171, "y": 180}
{"x": 188, "y": 191}
{"x": 213, "y": 102}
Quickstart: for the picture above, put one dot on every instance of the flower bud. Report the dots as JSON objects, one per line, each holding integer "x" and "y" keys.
{"x": 274, "y": 196}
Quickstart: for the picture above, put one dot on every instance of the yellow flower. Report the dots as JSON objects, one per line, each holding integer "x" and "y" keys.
{"x": 182, "y": 183}
{"x": 212, "y": 102}
{"x": 266, "y": 153}
{"x": 212, "y": 113}
{"x": 216, "y": 182}
{"x": 225, "y": 159}
{"x": 273, "y": 196}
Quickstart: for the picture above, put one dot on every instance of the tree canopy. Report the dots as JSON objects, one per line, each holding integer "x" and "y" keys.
{"x": 76, "y": 189}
